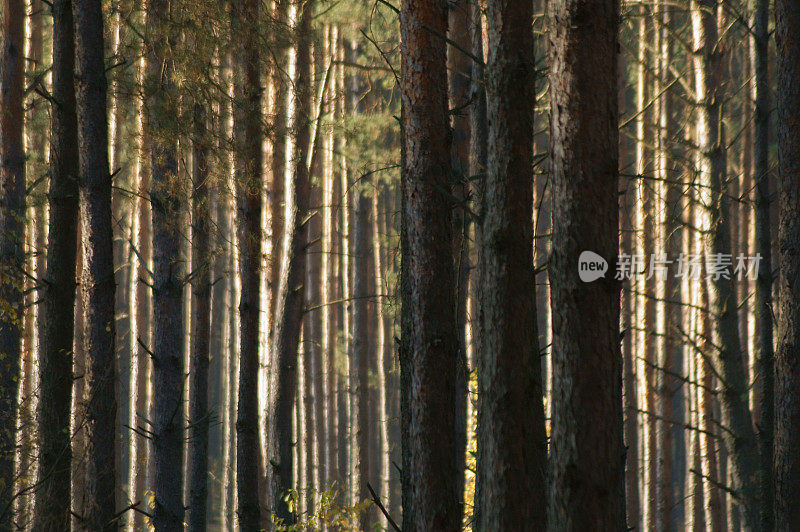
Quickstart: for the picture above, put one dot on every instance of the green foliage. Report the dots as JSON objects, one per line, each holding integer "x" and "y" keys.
{"x": 328, "y": 514}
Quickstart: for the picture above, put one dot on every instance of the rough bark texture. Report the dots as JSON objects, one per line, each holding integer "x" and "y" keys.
{"x": 739, "y": 437}
{"x": 289, "y": 309}
{"x": 763, "y": 246}
{"x": 248, "y": 179}
{"x": 197, "y": 462}
{"x": 511, "y": 432}
{"x": 55, "y": 363}
{"x": 98, "y": 267}
{"x": 12, "y": 238}
{"x": 168, "y": 337}
{"x": 429, "y": 345}
{"x": 787, "y": 354}
{"x": 587, "y": 452}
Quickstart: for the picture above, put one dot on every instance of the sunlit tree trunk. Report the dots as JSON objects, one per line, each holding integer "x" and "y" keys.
{"x": 289, "y": 309}
{"x": 140, "y": 308}
{"x": 739, "y": 436}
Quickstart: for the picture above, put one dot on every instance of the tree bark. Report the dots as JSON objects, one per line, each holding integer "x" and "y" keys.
{"x": 787, "y": 354}
{"x": 513, "y": 454}
{"x": 361, "y": 347}
{"x": 248, "y": 180}
{"x": 55, "y": 363}
{"x": 429, "y": 348}
{"x": 12, "y": 239}
{"x": 168, "y": 336}
{"x": 98, "y": 266}
{"x": 739, "y": 436}
{"x": 587, "y": 452}
{"x": 199, "y": 415}
{"x": 289, "y": 309}
{"x": 763, "y": 246}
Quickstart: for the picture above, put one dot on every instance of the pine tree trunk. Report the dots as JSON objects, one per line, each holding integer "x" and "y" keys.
{"x": 198, "y": 459}
{"x": 98, "y": 266}
{"x": 714, "y": 222}
{"x": 763, "y": 246}
{"x": 168, "y": 338}
{"x": 459, "y": 66}
{"x": 587, "y": 453}
{"x": 361, "y": 347}
{"x": 429, "y": 350}
{"x": 513, "y": 454}
{"x": 248, "y": 180}
{"x": 279, "y": 163}
{"x": 787, "y": 354}
{"x": 289, "y": 309}
{"x": 55, "y": 361}
{"x": 12, "y": 238}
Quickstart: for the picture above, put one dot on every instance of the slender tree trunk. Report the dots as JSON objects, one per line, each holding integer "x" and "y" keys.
{"x": 459, "y": 67}
{"x": 248, "y": 179}
{"x": 344, "y": 308}
{"x": 478, "y": 163}
{"x": 12, "y": 239}
{"x": 279, "y": 163}
{"x": 289, "y": 309}
{"x": 513, "y": 455}
{"x": 55, "y": 361}
{"x": 739, "y": 436}
{"x": 98, "y": 266}
{"x": 787, "y": 354}
{"x": 587, "y": 453}
{"x": 361, "y": 347}
{"x": 763, "y": 246}
{"x": 199, "y": 415}
{"x": 141, "y": 310}
{"x": 166, "y": 205}
{"x": 429, "y": 350}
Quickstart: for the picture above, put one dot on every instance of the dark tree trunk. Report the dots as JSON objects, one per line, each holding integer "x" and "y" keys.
{"x": 55, "y": 362}
{"x": 763, "y": 246}
{"x": 513, "y": 452}
{"x": 197, "y": 461}
{"x": 787, "y": 354}
{"x": 12, "y": 239}
{"x": 459, "y": 67}
{"x": 166, "y": 202}
{"x": 361, "y": 349}
{"x": 587, "y": 451}
{"x": 248, "y": 180}
{"x": 289, "y": 309}
{"x": 429, "y": 350}
{"x": 98, "y": 267}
